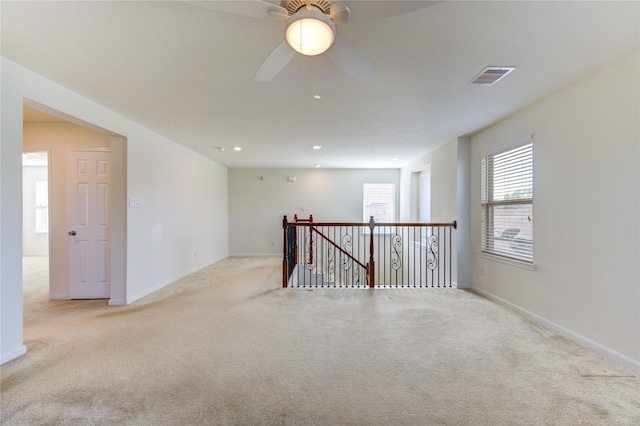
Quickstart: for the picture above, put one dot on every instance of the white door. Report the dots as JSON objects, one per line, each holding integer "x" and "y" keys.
{"x": 88, "y": 189}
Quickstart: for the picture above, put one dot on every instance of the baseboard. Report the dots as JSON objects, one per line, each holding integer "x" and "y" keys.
{"x": 170, "y": 281}
{"x": 117, "y": 302}
{"x": 21, "y": 350}
{"x": 625, "y": 361}
{"x": 60, "y": 296}
{"x": 458, "y": 285}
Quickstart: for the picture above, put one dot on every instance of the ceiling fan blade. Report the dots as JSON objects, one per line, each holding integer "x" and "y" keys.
{"x": 365, "y": 11}
{"x": 351, "y": 60}
{"x": 251, "y": 8}
{"x": 275, "y": 62}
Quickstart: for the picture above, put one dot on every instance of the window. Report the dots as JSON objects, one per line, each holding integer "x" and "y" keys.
{"x": 42, "y": 206}
{"x": 379, "y": 201}
{"x": 424, "y": 205}
{"x": 507, "y": 201}
{"x": 425, "y": 195}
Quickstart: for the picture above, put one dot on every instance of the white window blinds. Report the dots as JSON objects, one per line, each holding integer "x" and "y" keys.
{"x": 42, "y": 206}
{"x": 378, "y": 200}
{"x": 425, "y": 195}
{"x": 507, "y": 202}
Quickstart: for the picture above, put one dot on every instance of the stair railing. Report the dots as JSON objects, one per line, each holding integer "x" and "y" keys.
{"x": 399, "y": 254}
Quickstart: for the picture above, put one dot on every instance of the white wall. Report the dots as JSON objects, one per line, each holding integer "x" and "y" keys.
{"x": 256, "y": 206}
{"x": 183, "y": 223}
{"x": 444, "y": 169}
{"x": 181, "y": 227}
{"x": 586, "y": 283}
{"x": 443, "y": 162}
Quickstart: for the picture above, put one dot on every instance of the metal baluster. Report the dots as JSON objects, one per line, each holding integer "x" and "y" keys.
{"x": 438, "y": 257}
{"x": 450, "y": 250}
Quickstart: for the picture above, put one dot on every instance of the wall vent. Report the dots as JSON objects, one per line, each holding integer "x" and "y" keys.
{"x": 491, "y": 75}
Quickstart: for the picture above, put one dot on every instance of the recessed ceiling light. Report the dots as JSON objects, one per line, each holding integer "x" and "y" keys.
{"x": 237, "y": 148}
{"x": 317, "y": 97}
{"x": 318, "y": 165}
{"x": 316, "y": 146}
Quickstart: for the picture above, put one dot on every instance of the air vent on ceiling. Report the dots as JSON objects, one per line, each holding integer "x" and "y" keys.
{"x": 491, "y": 75}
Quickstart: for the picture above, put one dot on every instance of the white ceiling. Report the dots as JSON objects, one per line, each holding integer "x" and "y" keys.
{"x": 187, "y": 72}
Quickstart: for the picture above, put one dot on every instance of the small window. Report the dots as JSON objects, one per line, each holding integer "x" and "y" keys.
{"x": 425, "y": 195}
{"x": 378, "y": 200}
{"x": 507, "y": 201}
{"x": 42, "y": 207}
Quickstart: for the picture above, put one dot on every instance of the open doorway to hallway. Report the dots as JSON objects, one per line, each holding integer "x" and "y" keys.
{"x": 62, "y": 137}
{"x": 35, "y": 223}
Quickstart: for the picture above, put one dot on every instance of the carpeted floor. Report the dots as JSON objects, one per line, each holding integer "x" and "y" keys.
{"x": 228, "y": 346}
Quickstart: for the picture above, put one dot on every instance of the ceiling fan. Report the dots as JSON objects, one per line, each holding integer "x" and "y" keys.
{"x": 310, "y": 29}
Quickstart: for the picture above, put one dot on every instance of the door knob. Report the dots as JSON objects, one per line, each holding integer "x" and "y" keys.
{"x": 72, "y": 232}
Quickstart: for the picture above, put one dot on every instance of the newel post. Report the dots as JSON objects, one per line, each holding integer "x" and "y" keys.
{"x": 285, "y": 269}
{"x": 371, "y": 265}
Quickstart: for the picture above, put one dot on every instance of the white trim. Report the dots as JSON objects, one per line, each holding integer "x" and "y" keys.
{"x": 507, "y": 261}
{"x": 21, "y": 350}
{"x": 511, "y": 145}
{"x": 625, "y": 361}
{"x": 463, "y": 286}
{"x": 59, "y": 296}
{"x": 117, "y": 302}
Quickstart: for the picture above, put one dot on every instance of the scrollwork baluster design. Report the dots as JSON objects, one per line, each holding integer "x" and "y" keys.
{"x": 309, "y": 245}
{"x": 331, "y": 273}
{"x": 432, "y": 252}
{"x": 347, "y": 263}
{"x": 396, "y": 256}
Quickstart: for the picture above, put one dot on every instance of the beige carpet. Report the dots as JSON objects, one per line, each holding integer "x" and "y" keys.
{"x": 228, "y": 346}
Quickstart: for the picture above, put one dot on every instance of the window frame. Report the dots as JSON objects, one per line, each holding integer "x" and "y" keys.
{"x": 518, "y": 254}
{"x": 424, "y": 204}
{"x": 366, "y": 216}
{"x": 41, "y": 206}
{"x": 424, "y": 195}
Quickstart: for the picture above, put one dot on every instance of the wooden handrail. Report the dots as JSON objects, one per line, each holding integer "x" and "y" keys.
{"x": 337, "y": 246}
{"x": 453, "y": 224}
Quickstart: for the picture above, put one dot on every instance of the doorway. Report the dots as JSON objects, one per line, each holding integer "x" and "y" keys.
{"x": 59, "y": 134}
{"x": 35, "y": 219}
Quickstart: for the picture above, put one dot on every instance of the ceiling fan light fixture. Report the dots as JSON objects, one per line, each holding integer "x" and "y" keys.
{"x": 310, "y": 32}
